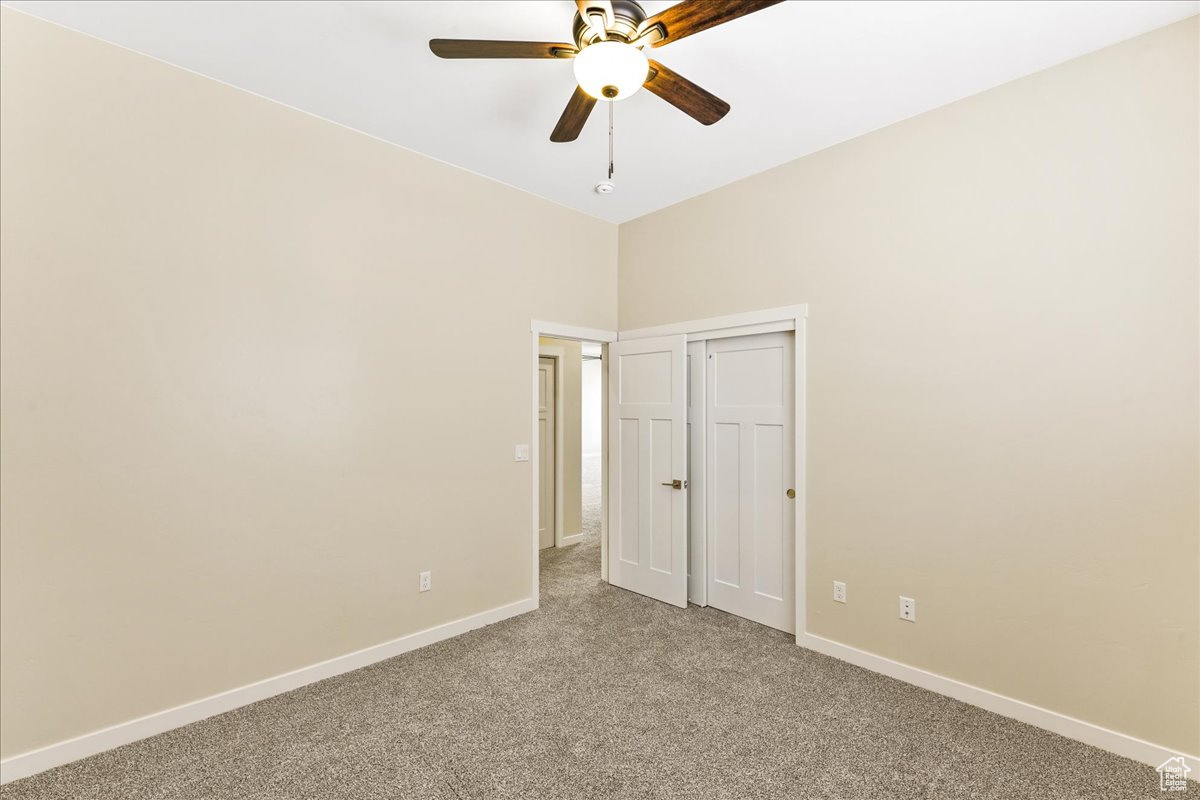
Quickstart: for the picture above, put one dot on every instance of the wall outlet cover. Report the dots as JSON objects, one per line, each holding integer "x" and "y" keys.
{"x": 908, "y": 609}
{"x": 839, "y": 591}
{"x": 426, "y": 581}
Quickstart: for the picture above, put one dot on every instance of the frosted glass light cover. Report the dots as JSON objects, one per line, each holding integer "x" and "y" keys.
{"x": 613, "y": 64}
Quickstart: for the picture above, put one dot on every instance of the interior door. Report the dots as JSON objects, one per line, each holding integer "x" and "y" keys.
{"x": 647, "y": 467}
{"x": 750, "y": 520}
{"x": 547, "y": 384}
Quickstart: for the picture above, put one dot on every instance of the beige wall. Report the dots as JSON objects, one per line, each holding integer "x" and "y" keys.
{"x": 571, "y": 430}
{"x": 1003, "y": 391}
{"x": 229, "y": 444}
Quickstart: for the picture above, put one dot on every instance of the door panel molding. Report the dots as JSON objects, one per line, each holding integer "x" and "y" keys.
{"x": 697, "y": 513}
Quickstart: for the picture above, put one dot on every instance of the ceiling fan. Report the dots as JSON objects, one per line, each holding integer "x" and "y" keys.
{"x": 608, "y": 59}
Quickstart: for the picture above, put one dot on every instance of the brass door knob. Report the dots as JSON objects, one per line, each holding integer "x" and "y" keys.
{"x": 674, "y": 484}
{"x": 791, "y": 493}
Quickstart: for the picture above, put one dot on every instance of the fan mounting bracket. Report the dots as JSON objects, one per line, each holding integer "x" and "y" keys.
{"x": 628, "y": 15}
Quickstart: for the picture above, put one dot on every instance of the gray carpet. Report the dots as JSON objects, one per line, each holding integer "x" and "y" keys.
{"x": 603, "y": 694}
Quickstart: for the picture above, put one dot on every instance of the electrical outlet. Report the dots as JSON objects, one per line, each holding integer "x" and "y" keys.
{"x": 426, "y": 581}
{"x": 839, "y": 591}
{"x": 908, "y": 609}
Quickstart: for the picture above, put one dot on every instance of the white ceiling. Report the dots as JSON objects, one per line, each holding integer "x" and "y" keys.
{"x": 800, "y": 76}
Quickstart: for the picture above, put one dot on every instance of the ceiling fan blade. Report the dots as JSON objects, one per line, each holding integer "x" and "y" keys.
{"x": 573, "y": 116}
{"x": 699, "y": 104}
{"x": 488, "y": 48}
{"x": 693, "y": 16}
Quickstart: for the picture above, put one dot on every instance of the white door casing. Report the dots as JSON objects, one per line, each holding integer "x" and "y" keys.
{"x": 647, "y": 521}
{"x": 547, "y": 384}
{"x": 750, "y": 468}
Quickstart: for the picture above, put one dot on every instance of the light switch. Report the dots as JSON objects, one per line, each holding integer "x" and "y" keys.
{"x": 522, "y": 453}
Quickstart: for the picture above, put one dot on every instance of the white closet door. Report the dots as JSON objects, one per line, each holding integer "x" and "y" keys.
{"x": 751, "y": 466}
{"x": 547, "y": 384}
{"x": 647, "y": 467}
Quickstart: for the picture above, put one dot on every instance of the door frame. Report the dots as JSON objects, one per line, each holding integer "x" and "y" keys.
{"x": 539, "y": 328}
{"x": 772, "y": 320}
{"x": 558, "y": 354}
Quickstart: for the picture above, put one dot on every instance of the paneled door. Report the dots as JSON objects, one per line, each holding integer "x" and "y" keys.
{"x": 647, "y": 467}
{"x": 546, "y": 432}
{"x": 750, "y": 521}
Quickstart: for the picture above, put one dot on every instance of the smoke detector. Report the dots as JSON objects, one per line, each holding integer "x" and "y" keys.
{"x": 605, "y": 187}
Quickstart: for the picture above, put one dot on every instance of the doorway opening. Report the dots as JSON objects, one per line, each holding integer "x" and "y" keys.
{"x": 569, "y": 439}
{"x": 592, "y": 435}
{"x": 568, "y": 451}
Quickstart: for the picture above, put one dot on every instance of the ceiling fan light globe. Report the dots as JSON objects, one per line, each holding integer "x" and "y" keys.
{"x": 604, "y": 66}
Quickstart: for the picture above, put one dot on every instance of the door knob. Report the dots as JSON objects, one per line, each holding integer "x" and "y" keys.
{"x": 791, "y": 493}
{"x": 676, "y": 484}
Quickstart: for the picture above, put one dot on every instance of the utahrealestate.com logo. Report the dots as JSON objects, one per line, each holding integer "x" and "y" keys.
{"x": 1172, "y": 775}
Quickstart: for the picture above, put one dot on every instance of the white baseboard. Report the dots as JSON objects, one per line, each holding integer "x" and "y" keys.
{"x": 574, "y": 538}
{"x": 34, "y": 761}
{"x": 1094, "y": 735}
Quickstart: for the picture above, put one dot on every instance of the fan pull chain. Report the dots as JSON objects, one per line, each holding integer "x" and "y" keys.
{"x": 610, "y": 139}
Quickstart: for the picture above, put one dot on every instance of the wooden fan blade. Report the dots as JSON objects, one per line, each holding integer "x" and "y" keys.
{"x": 488, "y": 48}
{"x": 573, "y": 116}
{"x": 693, "y": 16}
{"x": 699, "y": 104}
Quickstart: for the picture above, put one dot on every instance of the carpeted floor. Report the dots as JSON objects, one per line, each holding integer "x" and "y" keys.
{"x": 603, "y": 694}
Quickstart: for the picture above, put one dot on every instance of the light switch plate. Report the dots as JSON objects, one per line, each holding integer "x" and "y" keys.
{"x": 522, "y": 453}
